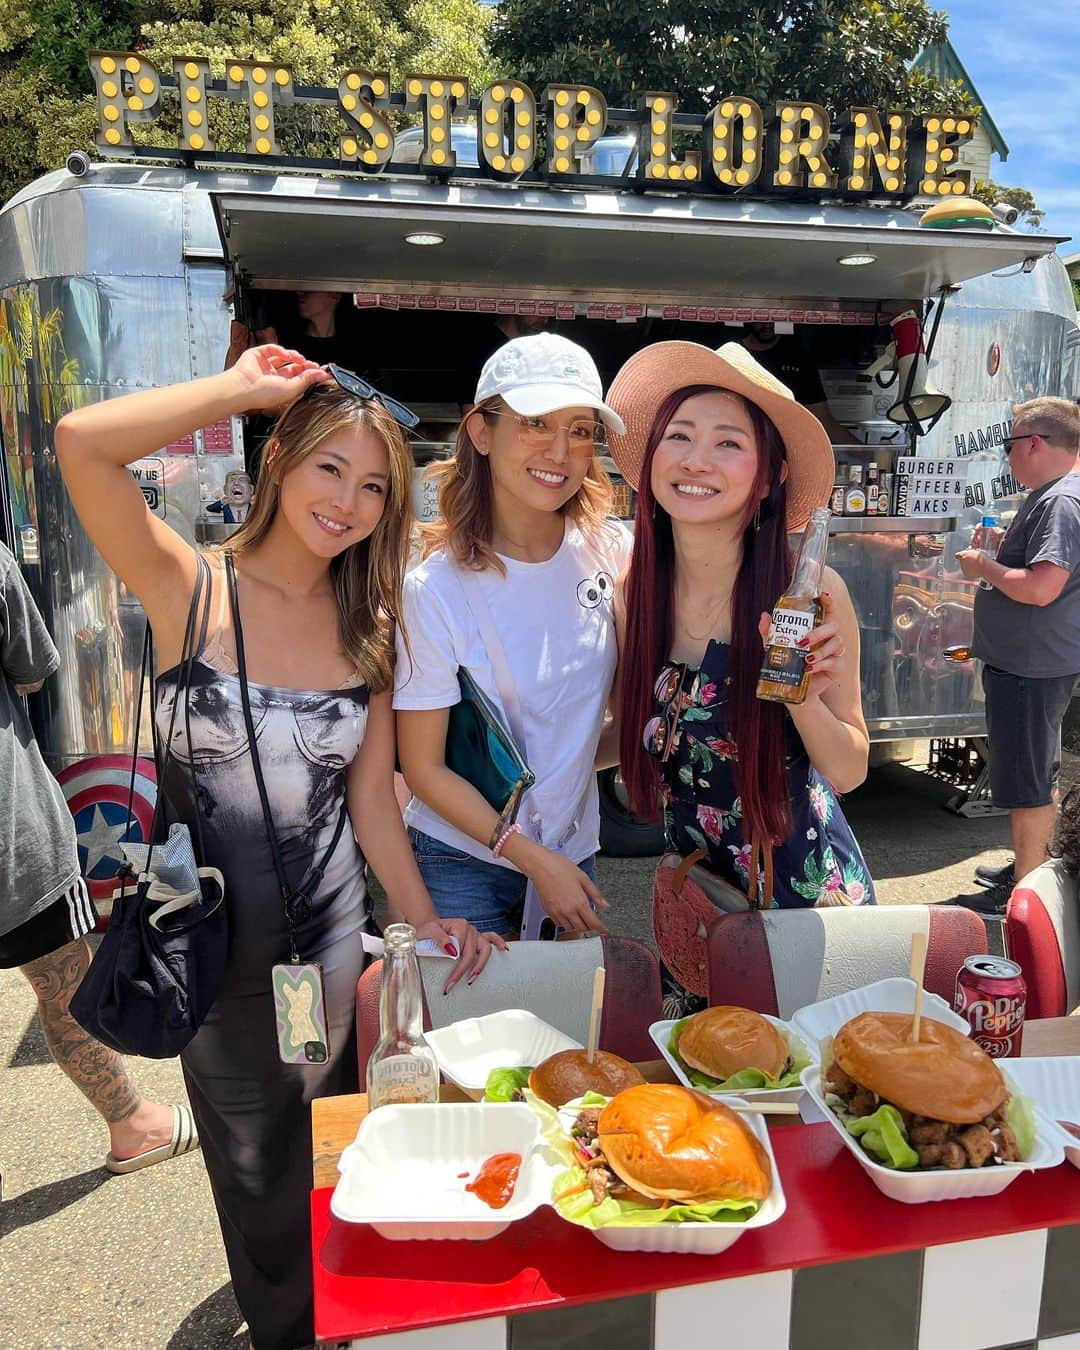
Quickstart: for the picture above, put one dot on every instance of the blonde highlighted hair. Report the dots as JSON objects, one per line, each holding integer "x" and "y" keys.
{"x": 368, "y": 576}
{"x": 466, "y": 495}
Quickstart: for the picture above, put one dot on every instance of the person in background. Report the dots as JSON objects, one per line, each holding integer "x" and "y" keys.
{"x": 727, "y": 465}
{"x": 524, "y": 506}
{"x": 1027, "y": 633}
{"x": 45, "y": 909}
{"x": 318, "y": 566}
{"x": 783, "y": 355}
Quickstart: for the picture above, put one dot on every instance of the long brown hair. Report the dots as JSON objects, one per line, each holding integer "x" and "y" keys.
{"x": 367, "y": 577}
{"x": 466, "y": 500}
{"x": 758, "y": 728}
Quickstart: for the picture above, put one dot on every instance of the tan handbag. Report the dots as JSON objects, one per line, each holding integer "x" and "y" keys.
{"x": 686, "y": 899}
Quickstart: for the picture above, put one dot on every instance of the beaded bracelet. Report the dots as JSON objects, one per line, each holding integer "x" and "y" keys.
{"x": 504, "y": 839}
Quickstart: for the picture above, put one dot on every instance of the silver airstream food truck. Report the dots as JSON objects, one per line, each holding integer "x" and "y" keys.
{"x": 635, "y": 225}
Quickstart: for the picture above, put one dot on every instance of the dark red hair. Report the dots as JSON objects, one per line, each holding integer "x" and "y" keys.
{"x": 758, "y": 728}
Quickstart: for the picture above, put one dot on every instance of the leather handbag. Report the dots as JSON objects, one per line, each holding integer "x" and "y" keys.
{"x": 482, "y": 751}
{"x": 687, "y": 897}
{"x": 161, "y": 963}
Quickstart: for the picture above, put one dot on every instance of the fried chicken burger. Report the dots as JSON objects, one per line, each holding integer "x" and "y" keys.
{"x": 950, "y": 1095}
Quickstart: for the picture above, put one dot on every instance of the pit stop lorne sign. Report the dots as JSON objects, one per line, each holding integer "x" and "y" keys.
{"x": 738, "y": 146}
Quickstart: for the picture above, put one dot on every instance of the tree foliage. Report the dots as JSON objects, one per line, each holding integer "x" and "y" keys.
{"x": 46, "y": 109}
{"x": 838, "y": 52}
{"x": 993, "y": 193}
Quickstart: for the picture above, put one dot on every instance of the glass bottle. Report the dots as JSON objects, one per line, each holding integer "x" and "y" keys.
{"x": 784, "y": 676}
{"x": 989, "y": 522}
{"x": 855, "y": 497}
{"x": 402, "y": 1067}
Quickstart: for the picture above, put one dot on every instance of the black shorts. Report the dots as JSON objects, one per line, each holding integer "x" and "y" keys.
{"x": 70, "y": 916}
{"x": 1023, "y": 721}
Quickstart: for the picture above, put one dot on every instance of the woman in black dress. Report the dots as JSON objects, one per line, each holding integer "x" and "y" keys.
{"x": 319, "y": 564}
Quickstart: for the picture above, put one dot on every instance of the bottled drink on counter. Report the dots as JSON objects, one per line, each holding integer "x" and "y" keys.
{"x": 784, "y": 675}
{"x": 836, "y": 500}
{"x": 872, "y": 489}
{"x": 989, "y": 522}
{"x": 402, "y": 1066}
{"x": 855, "y": 497}
{"x": 885, "y": 492}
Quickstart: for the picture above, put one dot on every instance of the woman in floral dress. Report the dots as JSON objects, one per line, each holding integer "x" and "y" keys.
{"x": 727, "y": 466}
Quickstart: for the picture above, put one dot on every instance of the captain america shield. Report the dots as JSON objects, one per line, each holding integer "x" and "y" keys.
{"x": 96, "y": 791}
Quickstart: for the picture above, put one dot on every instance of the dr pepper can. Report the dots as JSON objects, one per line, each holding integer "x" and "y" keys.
{"x": 992, "y": 995}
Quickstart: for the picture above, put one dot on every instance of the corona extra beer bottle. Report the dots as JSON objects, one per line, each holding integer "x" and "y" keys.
{"x": 784, "y": 675}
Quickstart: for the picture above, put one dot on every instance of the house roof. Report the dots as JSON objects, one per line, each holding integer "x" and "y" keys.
{"x": 941, "y": 60}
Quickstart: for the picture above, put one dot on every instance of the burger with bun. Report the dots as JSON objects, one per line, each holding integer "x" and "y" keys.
{"x": 729, "y": 1049}
{"x": 659, "y": 1153}
{"x": 937, "y": 1102}
{"x": 568, "y": 1075}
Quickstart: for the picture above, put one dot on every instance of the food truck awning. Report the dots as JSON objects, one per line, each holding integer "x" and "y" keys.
{"x": 608, "y": 245}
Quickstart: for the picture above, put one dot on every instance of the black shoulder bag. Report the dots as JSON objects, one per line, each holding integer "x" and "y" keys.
{"x": 161, "y": 963}
{"x": 301, "y": 1014}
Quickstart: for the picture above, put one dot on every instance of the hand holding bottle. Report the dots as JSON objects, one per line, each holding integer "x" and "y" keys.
{"x": 826, "y": 654}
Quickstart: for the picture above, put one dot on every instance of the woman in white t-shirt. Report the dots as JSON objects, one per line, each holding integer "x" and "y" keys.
{"x": 524, "y": 539}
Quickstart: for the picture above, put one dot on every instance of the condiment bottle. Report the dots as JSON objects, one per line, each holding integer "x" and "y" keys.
{"x": 855, "y": 497}
{"x": 402, "y": 1066}
{"x": 784, "y": 676}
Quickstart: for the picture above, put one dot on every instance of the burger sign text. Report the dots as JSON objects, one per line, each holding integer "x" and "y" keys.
{"x": 737, "y": 146}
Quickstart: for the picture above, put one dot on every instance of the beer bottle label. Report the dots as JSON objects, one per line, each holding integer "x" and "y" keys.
{"x": 785, "y": 660}
{"x": 402, "y": 1078}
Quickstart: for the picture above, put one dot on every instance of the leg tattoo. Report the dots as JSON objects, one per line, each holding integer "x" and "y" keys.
{"x": 96, "y": 1071}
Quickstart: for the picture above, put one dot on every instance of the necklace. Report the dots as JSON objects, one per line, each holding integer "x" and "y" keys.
{"x": 713, "y": 614}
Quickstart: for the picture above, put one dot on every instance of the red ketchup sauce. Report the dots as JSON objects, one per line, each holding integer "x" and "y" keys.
{"x": 494, "y": 1183}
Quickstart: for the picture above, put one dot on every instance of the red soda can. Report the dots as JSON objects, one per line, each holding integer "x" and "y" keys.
{"x": 992, "y": 995}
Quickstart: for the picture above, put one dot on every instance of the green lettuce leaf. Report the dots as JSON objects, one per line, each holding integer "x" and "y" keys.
{"x": 502, "y": 1084}
{"x": 745, "y": 1078}
{"x": 884, "y": 1137}
{"x": 1021, "y": 1121}
{"x": 579, "y": 1208}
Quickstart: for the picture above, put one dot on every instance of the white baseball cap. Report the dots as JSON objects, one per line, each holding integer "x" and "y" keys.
{"x": 545, "y": 373}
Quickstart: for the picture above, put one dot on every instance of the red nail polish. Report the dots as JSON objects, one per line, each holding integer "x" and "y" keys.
{"x": 809, "y": 661}
{"x": 803, "y": 642}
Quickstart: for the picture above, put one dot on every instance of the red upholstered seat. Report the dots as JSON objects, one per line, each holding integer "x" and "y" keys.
{"x": 551, "y": 979}
{"x": 1042, "y": 927}
{"x": 780, "y": 961}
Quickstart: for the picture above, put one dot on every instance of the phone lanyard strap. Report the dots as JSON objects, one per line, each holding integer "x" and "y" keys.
{"x": 296, "y": 902}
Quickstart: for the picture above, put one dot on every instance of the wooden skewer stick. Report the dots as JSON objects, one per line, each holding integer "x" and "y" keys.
{"x": 916, "y": 970}
{"x": 594, "y": 1015}
{"x": 765, "y": 1108}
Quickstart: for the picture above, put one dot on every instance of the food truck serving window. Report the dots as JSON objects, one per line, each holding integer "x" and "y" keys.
{"x": 603, "y": 245}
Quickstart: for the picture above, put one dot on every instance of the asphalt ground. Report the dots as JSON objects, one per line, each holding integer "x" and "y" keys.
{"x": 89, "y": 1260}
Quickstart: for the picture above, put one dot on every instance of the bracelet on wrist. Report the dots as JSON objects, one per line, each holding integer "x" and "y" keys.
{"x": 503, "y": 839}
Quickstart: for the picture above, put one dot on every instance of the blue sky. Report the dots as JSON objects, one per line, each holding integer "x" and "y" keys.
{"x": 1024, "y": 59}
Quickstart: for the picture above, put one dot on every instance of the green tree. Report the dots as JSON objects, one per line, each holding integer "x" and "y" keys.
{"x": 46, "y": 109}
{"x": 838, "y": 52}
{"x": 994, "y": 194}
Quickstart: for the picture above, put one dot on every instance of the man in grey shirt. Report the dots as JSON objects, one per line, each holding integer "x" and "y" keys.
{"x": 45, "y": 910}
{"x": 1027, "y": 632}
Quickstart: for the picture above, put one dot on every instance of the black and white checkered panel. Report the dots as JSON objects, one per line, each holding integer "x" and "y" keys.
{"x": 1016, "y": 1292}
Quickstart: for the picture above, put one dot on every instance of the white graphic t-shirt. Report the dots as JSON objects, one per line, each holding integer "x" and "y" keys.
{"x": 557, "y": 626}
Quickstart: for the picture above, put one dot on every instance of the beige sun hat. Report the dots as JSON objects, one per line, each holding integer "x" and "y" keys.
{"x": 653, "y": 373}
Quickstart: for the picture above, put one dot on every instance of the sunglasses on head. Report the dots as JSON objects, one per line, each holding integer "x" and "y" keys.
{"x": 356, "y": 384}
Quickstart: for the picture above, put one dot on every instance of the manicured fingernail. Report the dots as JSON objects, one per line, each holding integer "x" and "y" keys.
{"x": 809, "y": 660}
{"x": 803, "y": 642}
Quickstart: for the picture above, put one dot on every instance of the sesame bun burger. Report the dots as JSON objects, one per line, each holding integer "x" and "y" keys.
{"x": 949, "y": 1095}
{"x": 567, "y": 1075}
{"x": 724, "y": 1040}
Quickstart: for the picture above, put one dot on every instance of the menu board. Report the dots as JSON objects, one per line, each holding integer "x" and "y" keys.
{"x": 929, "y": 487}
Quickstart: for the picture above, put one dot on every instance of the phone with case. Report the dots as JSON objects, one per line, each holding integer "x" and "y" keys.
{"x": 303, "y": 1027}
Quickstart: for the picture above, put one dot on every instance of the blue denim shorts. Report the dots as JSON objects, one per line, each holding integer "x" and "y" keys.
{"x": 491, "y": 897}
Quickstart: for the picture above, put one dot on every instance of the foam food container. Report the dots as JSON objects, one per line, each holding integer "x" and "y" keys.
{"x": 914, "y": 1188}
{"x": 661, "y": 1034}
{"x": 468, "y": 1050}
{"x": 1054, "y": 1085}
{"x": 698, "y": 1239}
{"x": 402, "y": 1173}
{"x": 818, "y": 1020}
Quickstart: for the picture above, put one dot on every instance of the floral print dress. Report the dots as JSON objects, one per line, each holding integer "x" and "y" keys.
{"x": 818, "y": 860}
